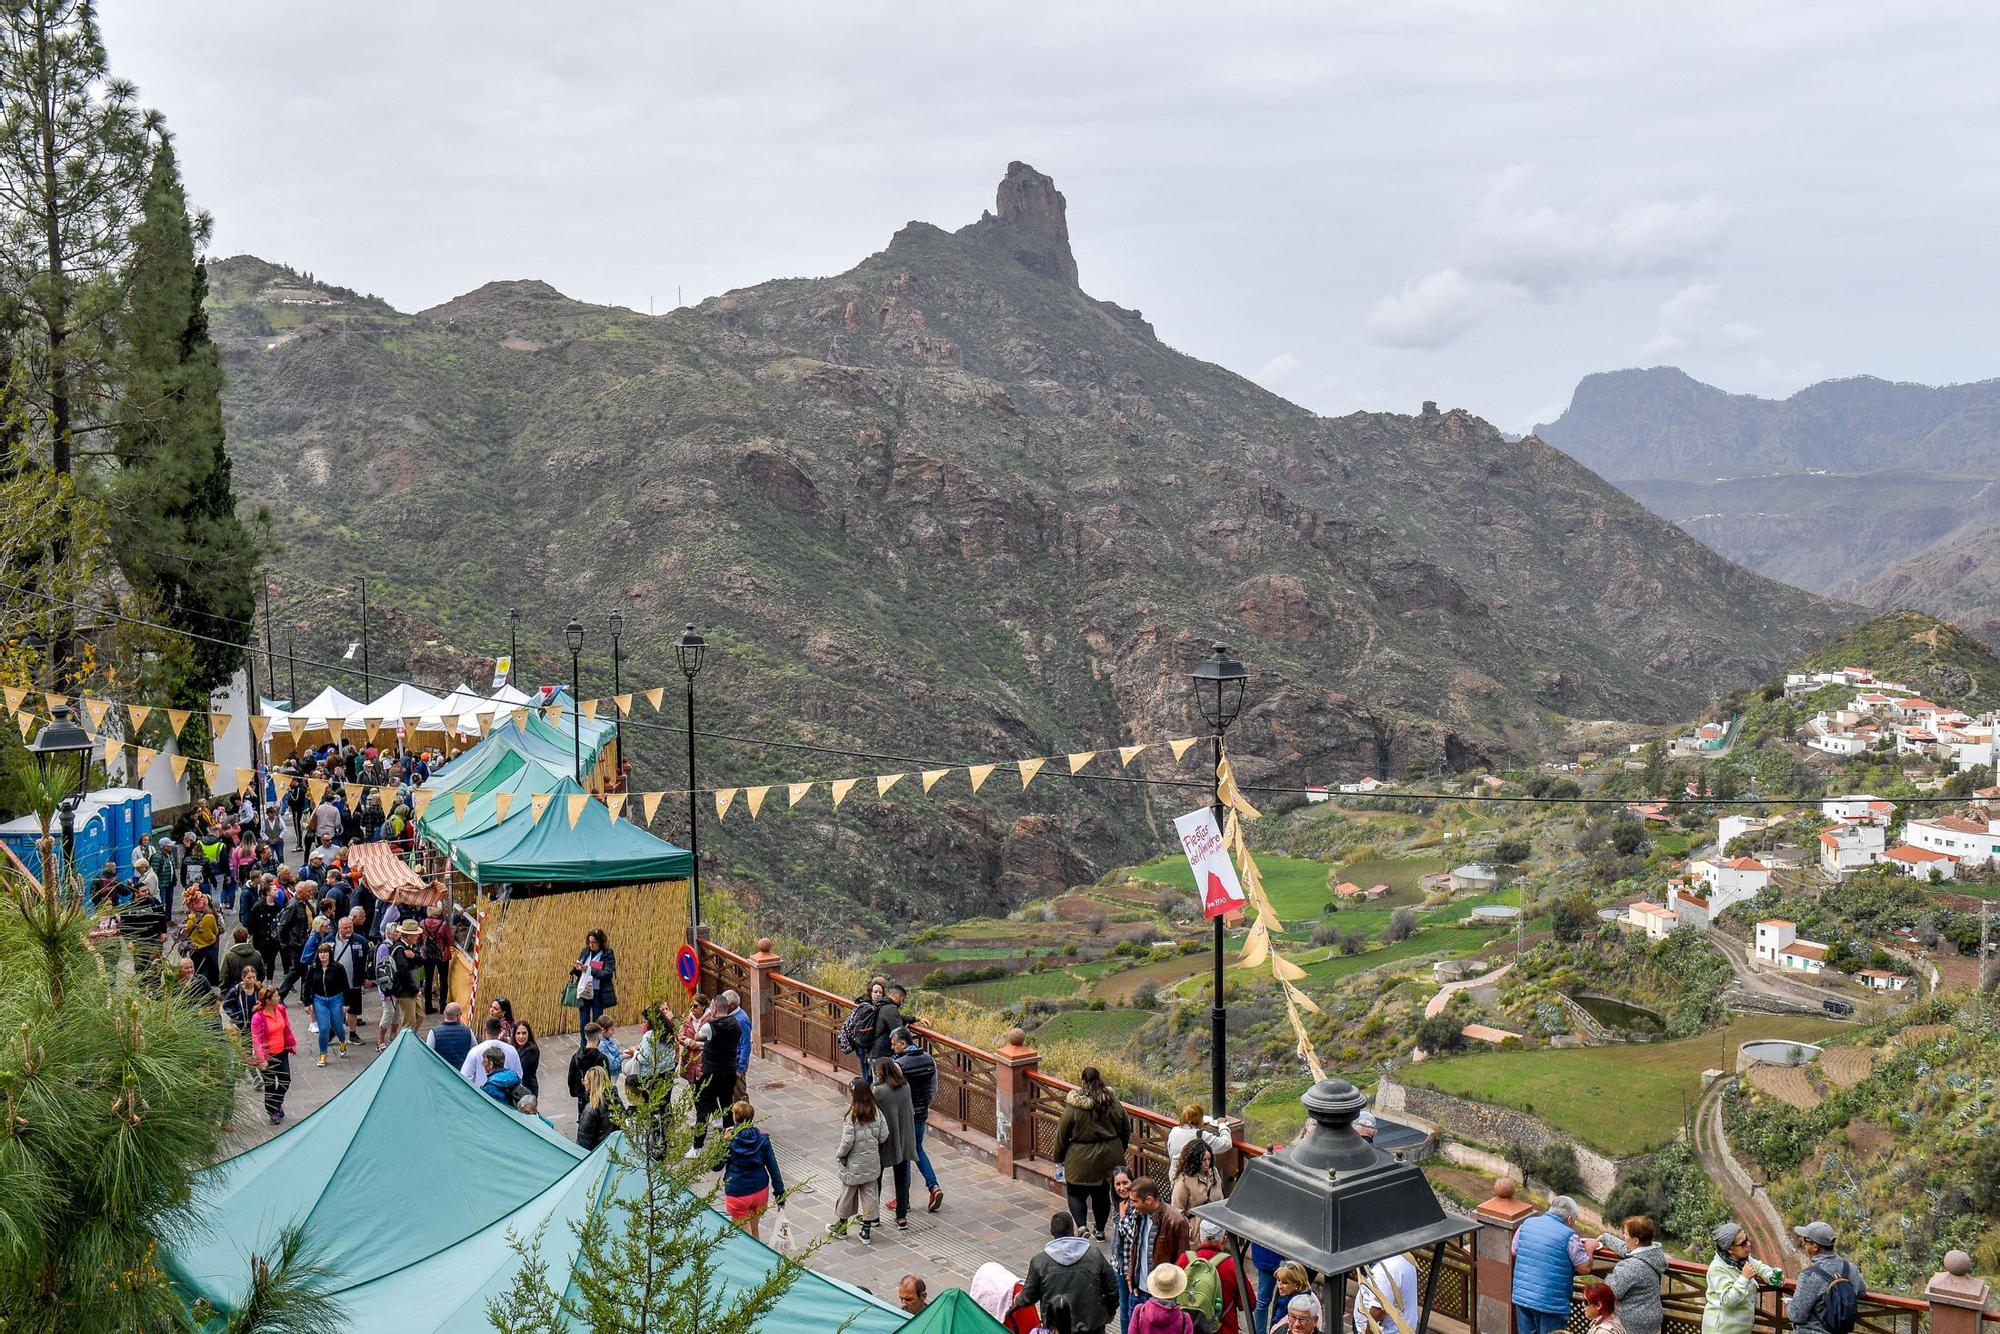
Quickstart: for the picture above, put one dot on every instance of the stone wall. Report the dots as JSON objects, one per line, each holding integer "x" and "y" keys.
{"x": 1497, "y": 1128}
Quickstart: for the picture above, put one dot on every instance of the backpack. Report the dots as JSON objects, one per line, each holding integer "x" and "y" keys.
{"x": 1842, "y": 1301}
{"x": 1203, "y": 1294}
{"x": 849, "y": 1037}
{"x": 614, "y": 1060}
{"x": 385, "y": 973}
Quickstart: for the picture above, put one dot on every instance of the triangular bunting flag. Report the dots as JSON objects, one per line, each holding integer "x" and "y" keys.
{"x": 138, "y": 713}
{"x": 218, "y": 723}
{"x": 1256, "y": 946}
{"x": 931, "y": 777}
{"x": 538, "y": 805}
{"x": 419, "y": 803}
{"x": 56, "y": 701}
{"x": 316, "y": 790}
{"x": 1126, "y": 754}
{"x": 213, "y": 774}
{"x": 259, "y": 725}
{"x": 178, "y": 764}
{"x": 655, "y": 695}
{"x": 449, "y": 722}
{"x": 297, "y": 727}
{"x": 979, "y": 773}
{"x": 336, "y": 729}
{"x": 1300, "y": 998}
{"x": 112, "y": 750}
{"x": 649, "y": 804}
{"x": 883, "y": 782}
{"x": 95, "y": 709}
{"x": 146, "y": 756}
{"x": 15, "y": 694}
{"x": 753, "y": 797}
{"x": 485, "y": 721}
{"x": 459, "y": 801}
{"x": 797, "y": 791}
{"x": 410, "y": 724}
{"x": 624, "y": 703}
{"x": 724, "y": 797}
{"x": 577, "y": 801}
{"x": 521, "y": 717}
{"x": 588, "y": 709}
{"x": 1081, "y": 758}
{"x": 373, "y": 727}
{"x": 27, "y": 724}
{"x": 178, "y": 719}
{"x": 841, "y": 787}
{"x": 555, "y": 715}
{"x": 1180, "y": 747}
{"x": 614, "y": 804}
{"x": 502, "y": 803}
{"x": 1285, "y": 969}
{"x": 245, "y": 778}
{"x": 1029, "y": 768}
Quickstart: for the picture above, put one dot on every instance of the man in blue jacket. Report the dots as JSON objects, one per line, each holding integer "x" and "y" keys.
{"x": 1548, "y": 1255}
{"x": 921, "y": 1071}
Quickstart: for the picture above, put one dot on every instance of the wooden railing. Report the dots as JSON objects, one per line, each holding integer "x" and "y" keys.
{"x": 1457, "y": 1285}
{"x": 966, "y": 1092}
{"x": 1684, "y": 1291}
{"x": 723, "y": 970}
{"x": 1145, "y": 1157}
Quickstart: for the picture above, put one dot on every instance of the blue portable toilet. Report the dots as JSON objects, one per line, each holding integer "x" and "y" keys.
{"x": 93, "y": 842}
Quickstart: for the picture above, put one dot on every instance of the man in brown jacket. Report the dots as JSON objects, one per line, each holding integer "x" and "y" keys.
{"x": 1162, "y": 1234}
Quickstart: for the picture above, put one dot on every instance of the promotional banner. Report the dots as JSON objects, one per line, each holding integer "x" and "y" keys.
{"x": 1214, "y": 874}
{"x": 503, "y": 667}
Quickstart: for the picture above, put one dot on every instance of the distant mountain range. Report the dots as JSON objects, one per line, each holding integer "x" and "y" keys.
{"x": 1864, "y": 489}
{"x": 947, "y": 505}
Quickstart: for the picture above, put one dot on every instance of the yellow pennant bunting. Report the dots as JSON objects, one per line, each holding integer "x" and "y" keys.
{"x": 1285, "y": 969}
{"x": 178, "y": 719}
{"x": 723, "y": 797}
{"x": 649, "y": 804}
{"x": 1306, "y": 1051}
{"x": 218, "y": 723}
{"x": 577, "y": 801}
{"x": 555, "y": 714}
{"x": 459, "y": 801}
{"x": 655, "y": 695}
{"x": 1300, "y": 998}
{"x": 588, "y": 709}
{"x": 502, "y": 803}
{"x": 1232, "y": 796}
{"x": 213, "y": 774}
{"x": 753, "y": 797}
{"x": 1081, "y": 758}
{"x": 485, "y": 721}
{"x": 178, "y": 765}
{"x": 979, "y": 773}
{"x": 146, "y": 756}
{"x": 614, "y": 804}
{"x": 27, "y": 723}
{"x": 521, "y": 717}
{"x": 410, "y": 724}
{"x": 883, "y": 782}
{"x": 138, "y": 713}
{"x": 796, "y": 792}
{"x": 259, "y": 725}
{"x": 245, "y": 778}
{"x": 1180, "y": 747}
{"x": 1126, "y": 754}
{"x": 1029, "y": 768}
{"x": 931, "y": 777}
{"x": 316, "y": 790}
{"x": 336, "y": 730}
{"x": 841, "y": 787}
{"x": 15, "y": 694}
{"x": 538, "y": 805}
{"x": 419, "y": 803}
{"x": 297, "y": 726}
{"x": 1256, "y": 946}
{"x": 95, "y": 709}
{"x": 112, "y": 751}
{"x": 450, "y": 723}
{"x": 624, "y": 703}
{"x": 56, "y": 701}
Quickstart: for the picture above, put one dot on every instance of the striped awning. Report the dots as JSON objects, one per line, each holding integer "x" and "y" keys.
{"x": 389, "y": 878}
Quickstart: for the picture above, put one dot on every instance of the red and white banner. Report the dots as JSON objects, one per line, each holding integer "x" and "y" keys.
{"x": 1214, "y": 874}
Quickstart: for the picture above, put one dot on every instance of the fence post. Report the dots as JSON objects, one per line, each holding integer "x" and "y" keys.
{"x": 1493, "y": 1255}
{"x": 1957, "y": 1296}
{"x": 1013, "y": 1092}
{"x": 763, "y": 964}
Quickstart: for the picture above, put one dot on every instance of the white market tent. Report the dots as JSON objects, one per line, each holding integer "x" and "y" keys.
{"x": 402, "y": 701}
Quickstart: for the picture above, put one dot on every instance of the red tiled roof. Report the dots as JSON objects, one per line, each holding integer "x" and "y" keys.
{"x": 1805, "y": 949}
{"x": 1957, "y": 824}
{"x": 1909, "y": 852}
{"x": 1744, "y": 864}
{"x": 1776, "y": 921}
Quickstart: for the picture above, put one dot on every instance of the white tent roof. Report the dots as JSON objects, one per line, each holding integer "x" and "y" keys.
{"x": 462, "y": 705}
{"x": 403, "y": 701}
{"x": 327, "y": 704}
{"x": 506, "y": 697}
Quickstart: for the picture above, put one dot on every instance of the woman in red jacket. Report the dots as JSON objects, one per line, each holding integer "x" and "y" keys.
{"x": 271, "y": 1046}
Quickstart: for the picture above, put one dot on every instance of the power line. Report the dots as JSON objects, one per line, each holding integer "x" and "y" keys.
{"x": 1269, "y": 789}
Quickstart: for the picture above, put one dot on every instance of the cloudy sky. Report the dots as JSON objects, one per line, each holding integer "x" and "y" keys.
{"x": 1361, "y": 205}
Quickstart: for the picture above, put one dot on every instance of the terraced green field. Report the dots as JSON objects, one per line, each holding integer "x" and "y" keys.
{"x": 1111, "y": 1027}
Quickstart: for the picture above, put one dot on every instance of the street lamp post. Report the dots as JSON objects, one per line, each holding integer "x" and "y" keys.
{"x": 1218, "y": 692}
{"x": 367, "y": 680}
{"x": 573, "y": 635}
{"x": 616, "y": 621}
{"x": 62, "y": 755}
{"x": 513, "y": 633}
{"x": 690, "y": 648}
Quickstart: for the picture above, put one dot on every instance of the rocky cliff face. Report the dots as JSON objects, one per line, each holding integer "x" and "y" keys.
{"x": 946, "y": 506}
{"x": 1958, "y": 580}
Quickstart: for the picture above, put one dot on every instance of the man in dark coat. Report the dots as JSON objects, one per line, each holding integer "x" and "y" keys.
{"x": 718, "y": 1071}
{"x": 1071, "y": 1267}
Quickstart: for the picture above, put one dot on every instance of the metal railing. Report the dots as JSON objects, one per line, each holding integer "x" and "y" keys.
{"x": 1684, "y": 1292}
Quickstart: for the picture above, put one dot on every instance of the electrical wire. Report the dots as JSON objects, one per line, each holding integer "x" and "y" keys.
{"x": 1267, "y": 789}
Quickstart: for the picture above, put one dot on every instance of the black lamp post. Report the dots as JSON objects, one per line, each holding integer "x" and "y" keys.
{"x": 690, "y": 648}
{"x": 62, "y": 754}
{"x": 616, "y": 621}
{"x": 573, "y": 636}
{"x": 1218, "y": 692}
{"x": 513, "y": 633}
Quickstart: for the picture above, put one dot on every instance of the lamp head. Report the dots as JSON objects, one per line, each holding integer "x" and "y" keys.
{"x": 573, "y": 636}
{"x": 62, "y": 753}
{"x": 1218, "y": 688}
{"x": 690, "y": 649}
{"x": 617, "y": 623}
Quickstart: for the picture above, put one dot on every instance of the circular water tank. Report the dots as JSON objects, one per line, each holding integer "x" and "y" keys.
{"x": 1774, "y": 1051}
{"x": 1495, "y": 912}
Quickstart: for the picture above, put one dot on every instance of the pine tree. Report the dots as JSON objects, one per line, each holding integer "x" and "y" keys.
{"x": 175, "y": 530}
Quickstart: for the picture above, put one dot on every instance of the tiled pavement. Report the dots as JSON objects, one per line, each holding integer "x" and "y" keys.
{"x": 985, "y": 1217}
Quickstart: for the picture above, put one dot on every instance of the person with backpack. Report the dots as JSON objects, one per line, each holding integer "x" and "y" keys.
{"x": 1073, "y": 1270}
{"x": 921, "y": 1071}
{"x": 1211, "y": 1279}
{"x": 1734, "y": 1278}
{"x": 406, "y": 962}
{"x": 589, "y": 1056}
{"x": 1385, "y": 1285}
{"x": 436, "y": 950}
{"x": 1161, "y": 1312}
{"x": 856, "y": 1037}
{"x": 1827, "y": 1296}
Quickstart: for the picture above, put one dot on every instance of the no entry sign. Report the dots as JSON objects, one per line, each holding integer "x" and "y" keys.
{"x": 689, "y": 968}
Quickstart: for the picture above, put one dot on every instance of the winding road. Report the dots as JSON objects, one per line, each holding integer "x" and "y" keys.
{"x": 1770, "y": 1240}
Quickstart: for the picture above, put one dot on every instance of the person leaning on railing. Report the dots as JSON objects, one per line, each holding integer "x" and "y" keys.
{"x": 1734, "y": 1278}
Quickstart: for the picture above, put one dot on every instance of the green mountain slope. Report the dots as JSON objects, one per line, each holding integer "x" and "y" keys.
{"x": 1922, "y": 652}
{"x": 948, "y": 506}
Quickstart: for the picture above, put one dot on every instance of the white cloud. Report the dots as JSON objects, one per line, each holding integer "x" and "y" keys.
{"x": 1435, "y": 308}
{"x": 1516, "y": 237}
{"x": 1690, "y": 321}
{"x": 1278, "y": 370}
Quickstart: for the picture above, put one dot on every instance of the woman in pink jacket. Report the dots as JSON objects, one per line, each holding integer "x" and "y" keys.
{"x": 271, "y": 1046}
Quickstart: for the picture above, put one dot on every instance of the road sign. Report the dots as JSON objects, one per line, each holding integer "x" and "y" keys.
{"x": 689, "y": 968}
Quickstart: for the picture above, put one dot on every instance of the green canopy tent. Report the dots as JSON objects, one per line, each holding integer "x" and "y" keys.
{"x": 442, "y": 825}
{"x": 953, "y": 1312}
{"x": 596, "y": 850}
{"x": 417, "y": 1241}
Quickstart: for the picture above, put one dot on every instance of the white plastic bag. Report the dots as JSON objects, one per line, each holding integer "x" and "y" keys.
{"x": 784, "y": 1240}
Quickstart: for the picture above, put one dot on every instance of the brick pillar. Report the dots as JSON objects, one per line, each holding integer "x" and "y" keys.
{"x": 1957, "y": 1296}
{"x": 1493, "y": 1256}
{"x": 763, "y": 964}
{"x": 1012, "y": 1094}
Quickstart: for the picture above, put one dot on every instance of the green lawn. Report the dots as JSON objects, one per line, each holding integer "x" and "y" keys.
{"x": 1619, "y": 1099}
{"x": 1674, "y": 845}
{"x": 941, "y": 953}
{"x": 1430, "y": 940}
{"x": 1400, "y": 874}
{"x": 1111, "y": 1027}
{"x": 1054, "y": 984}
{"x": 1297, "y": 886}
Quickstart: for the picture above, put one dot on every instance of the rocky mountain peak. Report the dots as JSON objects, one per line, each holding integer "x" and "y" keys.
{"x": 1034, "y": 214}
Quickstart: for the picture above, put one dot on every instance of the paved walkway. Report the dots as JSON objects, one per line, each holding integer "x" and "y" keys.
{"x": 985, "y": 1216}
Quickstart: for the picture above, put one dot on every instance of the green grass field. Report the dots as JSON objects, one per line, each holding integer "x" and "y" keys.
{"x": 1619, "y": 1099}
{"x": 1297, "y": 886}
{"x": 1055, "y": 984}
{"x": 1430, "y": 940}
{"x": 1400, "y": 874}
{"x": 940, "y": 954}
{"x": 1110, "y": 1027}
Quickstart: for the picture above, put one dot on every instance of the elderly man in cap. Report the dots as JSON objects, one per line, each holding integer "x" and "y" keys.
{"x": 1818, "y": 1304}
{"x": 1733, "y": 1280}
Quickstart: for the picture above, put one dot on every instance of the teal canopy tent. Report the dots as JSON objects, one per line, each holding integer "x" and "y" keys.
{"x": 596, "y": 850}
{"x": 416, "y": 1239}
{"x": 953, "y": 1312}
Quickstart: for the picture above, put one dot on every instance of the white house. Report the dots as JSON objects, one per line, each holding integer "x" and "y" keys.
{"x": 1971, "y": 841}
{"x": 1920, "y": 711}
{"x": 1690, "y": 909}
{"x": 1315, "y": 794}
{"x": 1969, "y": 746}
{"x": 1840, "y": 743}
{"x": 1737, "y": 880}
{"x": 1847, "y": 848}
{"x": 1860, "y": 808}
{"x": 1732, "y": 827}
{"x": 1369, "y": 784}
{"x": 1881, "y": 979}
{"x": 1915, "y": 740}
{"x": 1778, "y": 944}
{"x": 1658, "y": 923}
{"x": 1920, "y": 862}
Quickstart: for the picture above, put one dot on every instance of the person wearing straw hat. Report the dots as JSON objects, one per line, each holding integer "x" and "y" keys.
{"x": 1161, "y": 1313}
{"x": 405, "y": 960}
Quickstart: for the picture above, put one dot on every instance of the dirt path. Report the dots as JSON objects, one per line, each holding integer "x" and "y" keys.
{"x": 1769, "y": 1239}
{"x": 1450, "y": 989}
